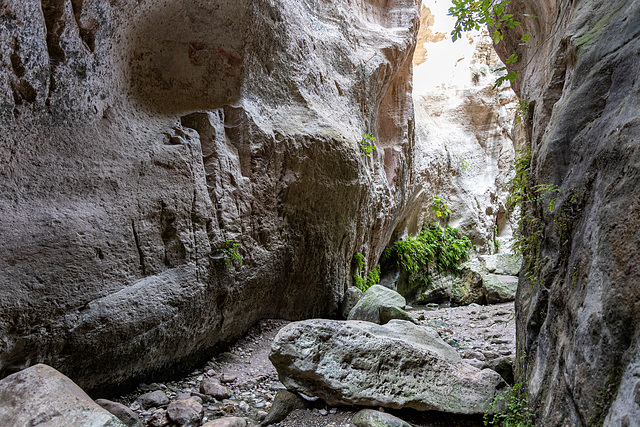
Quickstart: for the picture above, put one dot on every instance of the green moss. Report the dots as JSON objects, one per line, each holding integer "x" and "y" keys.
{"x": 590, "y": 37}
{"x": 606, "y": 394}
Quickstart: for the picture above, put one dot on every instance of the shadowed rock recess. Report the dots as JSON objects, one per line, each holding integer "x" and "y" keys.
{"x": 579, "y": 319}
{"x": 141, "y": 138}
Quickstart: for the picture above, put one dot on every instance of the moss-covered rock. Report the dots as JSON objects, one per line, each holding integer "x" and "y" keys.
{"x": 376, "y": 298}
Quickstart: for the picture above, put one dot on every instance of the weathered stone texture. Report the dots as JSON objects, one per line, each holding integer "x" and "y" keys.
{"x": 138, "y": 138}
{"x": 464, "y": 149}
{"x": 397, "y": 365}
{"x": 40, "y": 395}
{"x": 578, "y": 325}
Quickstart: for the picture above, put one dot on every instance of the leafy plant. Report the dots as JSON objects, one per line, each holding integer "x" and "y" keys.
{"x": 230, "y": 253}
{"x": 516, "y": 411}
{"x": 441, "y": 248}
{"x": 464, "y": 164}
{"x": 373, "y": 277}
{"x": 474, "y": 14}
{"x": 496, "y": 243}
{"x": 522, "y": 111}
{"x": 522, "y": 202}
{"x": 367, "y": 141}
{"x": 439, "y": 206}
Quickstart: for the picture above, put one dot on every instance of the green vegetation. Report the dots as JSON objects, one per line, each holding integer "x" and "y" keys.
{"x": 367, "y": 141}
{"x": 437, "y": 247}
{"x": 522, "y": 111}
{"x": 475, "y": 14}
{"x": 230, "y": 253}
{"x": 373, "y": 278}
{"x": 496, "y": 243}
{"x": 528, "y": 228}
{"x": 515, "y": 414}
{"x": 464, "y": 164}
{"x": 439, "y": 206}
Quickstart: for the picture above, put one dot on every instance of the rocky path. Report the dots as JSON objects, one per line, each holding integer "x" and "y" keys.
{"x": 248, "y": 382}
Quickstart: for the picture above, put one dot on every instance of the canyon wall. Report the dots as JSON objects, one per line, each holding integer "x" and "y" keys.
{"x": 579, "y": 304}
{"x": 141, "y": 139}
{"x": 464, "y": 149}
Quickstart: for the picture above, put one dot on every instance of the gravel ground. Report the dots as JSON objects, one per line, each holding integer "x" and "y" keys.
{"x": 480, "y": 334}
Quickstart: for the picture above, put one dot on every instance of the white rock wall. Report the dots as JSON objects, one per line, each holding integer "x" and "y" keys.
{"x": 464, "y": 150}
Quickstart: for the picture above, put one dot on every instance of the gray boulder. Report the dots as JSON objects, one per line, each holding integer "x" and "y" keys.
{"x": 397, "y": 365}
{"x": 213, "y": 388}
{"x": 388, "y": 314}
{"x": 185, "y": 412}
{"x": 371, "y": 418}
{"x": 40, "y": 395}
{"x": 283, "y": 404}
{"x": 153, "y": 399}
{"x": 502, "y": 264}
{"x": 499, "y": 289}
{"x": 351, "y": 297}
{"x": 124, "y": 414}
{"x": 376, "y": 298}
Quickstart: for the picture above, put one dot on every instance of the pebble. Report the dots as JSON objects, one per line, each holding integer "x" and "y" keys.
{"x": 252, "y": 382}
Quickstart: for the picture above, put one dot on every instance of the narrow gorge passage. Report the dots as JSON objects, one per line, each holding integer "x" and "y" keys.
{"x": 299, "y": 213}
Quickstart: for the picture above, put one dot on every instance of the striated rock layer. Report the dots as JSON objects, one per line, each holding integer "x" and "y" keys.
{"x": 579, "y": 319}
{"x": 141, "y": 138}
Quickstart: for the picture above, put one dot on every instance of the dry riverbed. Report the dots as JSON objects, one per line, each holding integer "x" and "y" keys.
{"x": 482, "y": 335}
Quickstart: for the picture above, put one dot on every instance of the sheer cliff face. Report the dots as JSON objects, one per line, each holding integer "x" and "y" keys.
{"x": 140, "y": 138}
{"x": 579, "y": 322}
{"x": 464, "y": 150}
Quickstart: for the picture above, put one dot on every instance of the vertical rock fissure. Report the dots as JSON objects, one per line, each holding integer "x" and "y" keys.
{"x": 53, "y": 12}
{"x": 140, "y": 253}
{"x": 86, "y": 34}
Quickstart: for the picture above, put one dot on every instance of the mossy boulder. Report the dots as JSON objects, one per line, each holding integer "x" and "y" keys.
{"x": 375, "y": 300}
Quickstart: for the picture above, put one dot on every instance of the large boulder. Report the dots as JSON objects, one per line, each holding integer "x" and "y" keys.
{"x": 503, "y": 264}
{"x": 142, "y": 139}
{"x": 371, "y": 418}
{"x": 578, "y": 307}
{"x": 397, "y": 365}
{"x": 40, "y": 395}
{"x": 499, "y": 289}
{"x": 376, "y": 300}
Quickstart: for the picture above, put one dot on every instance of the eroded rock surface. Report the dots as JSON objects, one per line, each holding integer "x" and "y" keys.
{"x": 397, "y": 365}
{"x": 464, "y": 146}
{"x": 579, "y": 307}
{"x": 41, "y": 395}
{"x": 140, "y": 139}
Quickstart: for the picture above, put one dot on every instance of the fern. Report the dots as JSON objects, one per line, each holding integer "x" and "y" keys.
{"x": 441, "y": 248}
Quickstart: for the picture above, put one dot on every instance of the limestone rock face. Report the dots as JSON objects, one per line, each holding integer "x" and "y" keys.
{"x": 140, "y": 139}
{"x": 40, "y": 395}
{"x": 579, "y": 320}
{"x": 464, "y": 148}
{"x": 397, "y": 365}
